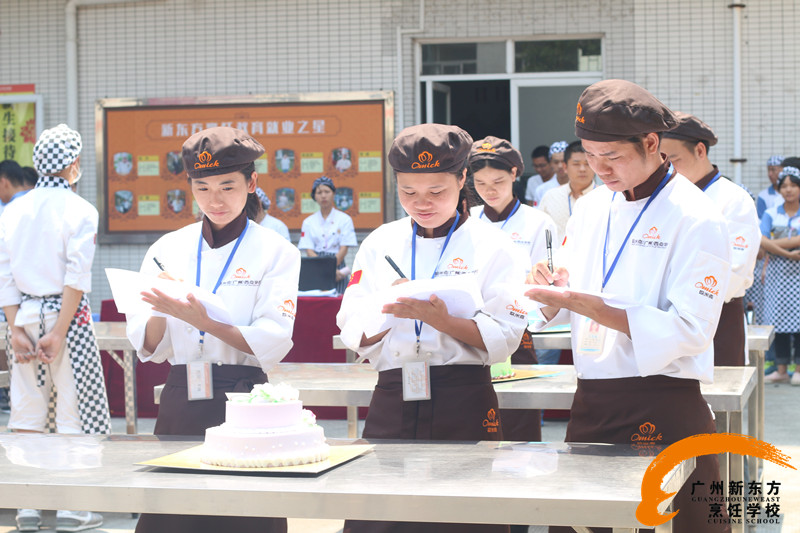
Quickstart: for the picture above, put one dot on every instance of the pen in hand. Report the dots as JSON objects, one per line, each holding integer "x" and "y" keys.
{"x": 395, "y": 267}
{"x": 548, "y": 239}
{"x": 158, "y": 264}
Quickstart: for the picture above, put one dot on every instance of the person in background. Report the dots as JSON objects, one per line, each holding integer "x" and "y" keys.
{"x": 780, "y": 227}
{"x": 47, "y": 244}
{"x": 770, "y": 197}
{"x": 493, "y": 165}
{"x": 253, "y": 270}
{"x": 639, "y": 367}
{"x": 328, "y": 231}
{"x": 559, "y": 169}
{"x": 561, "y": 201}
{"x": 540, "y": 158}
{"x": 451, "y": 355}
{"x": 687, "y": 146}
{"x": 31, "y": 176}
{"x": 267, "y": 220}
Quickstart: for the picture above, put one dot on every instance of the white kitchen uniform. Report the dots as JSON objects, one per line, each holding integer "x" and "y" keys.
{"x": 559, "y": 204}
{"x": 767, "y": 199}
{"x": 673, "y": 273}
{"x": 739, "y": 212}
{"x": 327, "y": 234}
{"x": 530, "y": 187}
{"x": 474, "y": 248}
{"x": 259, "y": 289}
{"x": 276, "y": 225}
{"x": 526, "y": 227}
{"x": 542, "y": 189}
{"x": 47, "y": 242}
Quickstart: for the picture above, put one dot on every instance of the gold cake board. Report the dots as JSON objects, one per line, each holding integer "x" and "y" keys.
{"x": 525, "y": 374}
{"x": 189, "y": 459}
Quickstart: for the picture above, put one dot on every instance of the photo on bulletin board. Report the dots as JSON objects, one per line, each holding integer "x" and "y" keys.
{"x": 143, "y": 191}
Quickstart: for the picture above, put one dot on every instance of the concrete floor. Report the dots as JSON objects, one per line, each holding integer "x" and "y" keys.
{"x": 782, "y": 426}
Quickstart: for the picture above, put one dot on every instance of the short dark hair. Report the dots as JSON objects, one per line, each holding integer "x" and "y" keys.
{"x": 572, "y": 148}
{"x": 541, "y": 151}
{"x": 12, "y": 172}
{"x": 792, "y": 161}
{"x": 31, "y": 176}
{"x": 496, "y": 164}
{"x": 638, "y": 142}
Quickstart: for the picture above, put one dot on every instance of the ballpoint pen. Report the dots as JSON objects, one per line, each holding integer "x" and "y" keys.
{"x": 395, "y": 267}
{"x": 548, "y": 239}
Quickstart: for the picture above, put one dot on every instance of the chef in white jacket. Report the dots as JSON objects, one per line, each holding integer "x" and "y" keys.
{"x": 654, "y": 241}
{"x": 253, "y": 270}
{"x": 434, "y": 381}
{"x": 687, "y": 147}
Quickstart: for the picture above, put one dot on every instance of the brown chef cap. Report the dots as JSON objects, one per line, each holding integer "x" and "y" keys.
{"x": 219, "y": 150}
{"x": 430, "y": 148}
{"x": 615, "y": 110}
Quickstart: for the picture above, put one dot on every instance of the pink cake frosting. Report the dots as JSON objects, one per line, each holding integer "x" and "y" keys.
{"x": 265, "y": 428}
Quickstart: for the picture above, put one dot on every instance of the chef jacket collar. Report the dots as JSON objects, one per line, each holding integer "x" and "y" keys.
{"x": 442, "y": 230}
{"x": 705, "y": 180}
{"x": 494, "y": 216}
{"x": 221, "y": 237}
{"x": 646, "y": 188}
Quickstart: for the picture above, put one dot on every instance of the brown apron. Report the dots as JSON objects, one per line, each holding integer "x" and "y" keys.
{"x": 463, "y": 407}
{"x": 523, "y": 424}
{"x": 178, "y": 416}
{"x": 729, "y": 338}
{"x": 649, "y": 413}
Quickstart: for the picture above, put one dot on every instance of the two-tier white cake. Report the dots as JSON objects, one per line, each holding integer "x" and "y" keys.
{"x": 267, "y": 427}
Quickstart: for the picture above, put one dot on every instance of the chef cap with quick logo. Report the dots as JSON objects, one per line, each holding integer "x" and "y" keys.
{"x": 430, "y": 148}
{"x": 497, "y": 149}
{"x": 56, "y": 149}
{"x": 219, "y": 150}
{"x": 616, "y": 110}
{"x": 691, "y": 128}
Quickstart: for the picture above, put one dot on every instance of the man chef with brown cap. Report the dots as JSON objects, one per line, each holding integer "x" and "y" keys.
{"x": 656, "y": 243}
{"x": 686, "y": 146}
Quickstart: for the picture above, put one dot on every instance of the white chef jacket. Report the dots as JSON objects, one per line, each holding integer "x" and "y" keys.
{"x": 767, "y": 199}
{"x": 47, "y": 242}
{"x": 259, "y": 289}
{"x": 739, "y": 212}
{"x": 530, "y": 187}
{"x": 673, "y": 274}
{"x": 276, "y": 225}
{"x": 526, "y": 228}
{"x": 474, "y": 248}
{"x": 327, "y": 234}
{"x": 559, "y": 204}
{"x": 542, "y": 189}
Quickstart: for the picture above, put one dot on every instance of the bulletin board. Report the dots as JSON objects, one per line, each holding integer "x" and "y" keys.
{"x": 144, "y": 191}
{"x": 21, "y": 120}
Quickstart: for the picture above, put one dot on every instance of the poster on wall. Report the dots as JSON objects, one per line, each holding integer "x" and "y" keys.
{"x": 144, "y": 190}
{"x": 20, "y": 122}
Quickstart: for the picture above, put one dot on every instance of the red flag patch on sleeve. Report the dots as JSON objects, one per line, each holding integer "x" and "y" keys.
{"x": 355, "y": 279}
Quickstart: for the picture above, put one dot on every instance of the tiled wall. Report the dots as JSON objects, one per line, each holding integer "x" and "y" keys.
{"x": 680, "y": 50}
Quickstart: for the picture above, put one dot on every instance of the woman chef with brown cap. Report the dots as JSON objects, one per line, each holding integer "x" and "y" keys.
{"x": 253, "y": 270}
{"x": 655, "y": 241}
{"x": 451, "y": 354}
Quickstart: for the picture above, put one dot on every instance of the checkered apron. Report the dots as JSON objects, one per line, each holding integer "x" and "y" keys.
{"x": 84, "y": 353}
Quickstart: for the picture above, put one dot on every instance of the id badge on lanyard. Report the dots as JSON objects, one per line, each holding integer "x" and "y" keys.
{"x": 591, "y": 338}
{"x": 199, "y": 380}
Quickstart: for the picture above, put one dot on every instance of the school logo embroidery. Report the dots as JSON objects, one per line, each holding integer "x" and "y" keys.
{"x": 740, "y": 243}
{"x": 651, "y": 239}
{"x": 204, "y": 161}
{"x": 241, "y": 274}
{"x": 355, "y": 278}
{"x": 486, "y": 147}
{"x": 652, "y": 233}
{"x": 516, "y": 310}
{"x": 491, "y": 422}
{"x": 646, "y": 440}
{"x": 287, "y": 309}
{"x": 515, "y": 236}
{"x": 707, "y": 287}
{"x": 425, "y": 160}
{"x": 579, "y": 113}
{"x": 458, "y": 264}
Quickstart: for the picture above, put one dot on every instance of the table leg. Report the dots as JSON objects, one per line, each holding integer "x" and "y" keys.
{"x": 723, "y": 426}
{"x": 127, "y": 360}
{"x": 736, "y": 465}
{"x": 352, "y": 412}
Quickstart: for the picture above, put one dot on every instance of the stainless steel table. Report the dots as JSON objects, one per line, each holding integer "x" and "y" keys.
{"x": 560, "y": 484}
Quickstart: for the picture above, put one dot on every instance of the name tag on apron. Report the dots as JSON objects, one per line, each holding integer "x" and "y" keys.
{"x": 416, "y": 381}
{"x": 591, "y": 338}
{"x": 199, "y": 380}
